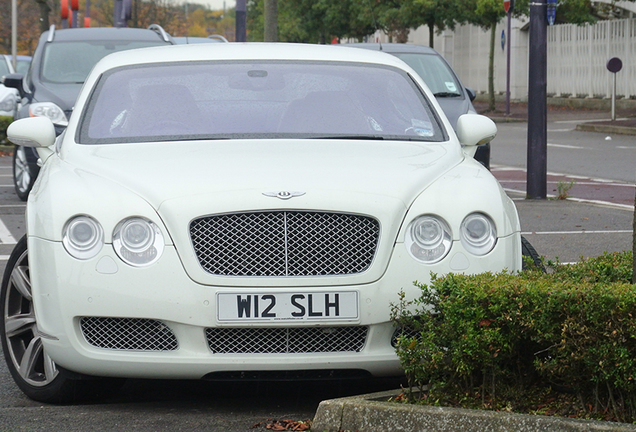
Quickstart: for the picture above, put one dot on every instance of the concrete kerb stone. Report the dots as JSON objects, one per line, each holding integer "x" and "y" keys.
{"x": 610, "y": 129}
{"x": 374, "y": 413}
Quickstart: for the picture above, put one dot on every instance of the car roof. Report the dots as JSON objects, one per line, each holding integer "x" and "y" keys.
{"x": 394, "y": 48}
{"x": 246, "y": 51}
{"x": 102, "y": 33}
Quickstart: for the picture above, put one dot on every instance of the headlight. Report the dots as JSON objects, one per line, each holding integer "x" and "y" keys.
{"x": 50, "y": 110}
{"x": 8, "y": 103}
{"x": 478, "y": 234}
{"x": 83, "y": 237}
{"x": 138, "y": 241}
{"x": 428, "y": 239}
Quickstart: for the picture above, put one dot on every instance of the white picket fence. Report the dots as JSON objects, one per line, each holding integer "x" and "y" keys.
{"x": 577, "y": 57}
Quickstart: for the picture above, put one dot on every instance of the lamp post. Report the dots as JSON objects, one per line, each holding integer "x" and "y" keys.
{"x": 536, "y": 182}
{"x": 14, "y": 32}
{"x": 241, "y": 21}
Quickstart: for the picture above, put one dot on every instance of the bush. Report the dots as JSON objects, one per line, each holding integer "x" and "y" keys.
{"x": 497, "y": 338}
{"x": 4, "y": 124}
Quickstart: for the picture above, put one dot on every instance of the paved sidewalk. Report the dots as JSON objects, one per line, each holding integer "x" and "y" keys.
{"x": 592, "y": 119}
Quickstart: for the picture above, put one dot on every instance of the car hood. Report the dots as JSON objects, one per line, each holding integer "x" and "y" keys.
{"x": 62, "y": 95}
{"x": 454, "y": 107}
{"x": 176, "y": 171}
{"x": 183, "y": 181}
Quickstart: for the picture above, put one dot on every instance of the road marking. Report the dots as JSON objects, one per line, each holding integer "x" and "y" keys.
{"x": 626, "y": 147}
{"x": 5, "y": 235}
{"x": 566, "y": 146}
{"x": 4, "y": 257}
{"x": 578, "y": 232}
{"x": 560, "y": 130}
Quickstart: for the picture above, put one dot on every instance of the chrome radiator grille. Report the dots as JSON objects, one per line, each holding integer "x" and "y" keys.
{"x": 286, "y": 340}
{"x": 128, "y": 334}
{"x": 285, "y": 243}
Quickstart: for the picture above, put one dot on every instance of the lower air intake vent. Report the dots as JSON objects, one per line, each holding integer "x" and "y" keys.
{"x": 132, "y": 334}
{"x": 286, "y": 340}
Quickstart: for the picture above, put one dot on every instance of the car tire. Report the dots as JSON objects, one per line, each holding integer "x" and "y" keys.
{"x": 528, "y": 251}
{"x": 23, "y": 172}
{"x": 32, "y": 369}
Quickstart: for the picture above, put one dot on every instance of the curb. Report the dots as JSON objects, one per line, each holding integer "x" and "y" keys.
{"x": 507, "y": 119}
{"x": 373, "y": 413}
{"x": 621, "y": 130}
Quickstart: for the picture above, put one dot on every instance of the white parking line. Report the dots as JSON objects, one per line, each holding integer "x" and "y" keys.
{"x": 4, "y": 257}
{"x": 566, "y": 146}
{"x": 5, "y": 235}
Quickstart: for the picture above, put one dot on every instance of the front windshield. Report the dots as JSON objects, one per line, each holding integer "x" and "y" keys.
{"x": 70, "y": 62}
{"x": 435, "y": 73}
{"x": 230, "y": 100}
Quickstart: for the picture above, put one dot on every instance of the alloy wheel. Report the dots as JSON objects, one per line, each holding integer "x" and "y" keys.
{"x": 21, "y": 173}
{"x": 23, "y": 341}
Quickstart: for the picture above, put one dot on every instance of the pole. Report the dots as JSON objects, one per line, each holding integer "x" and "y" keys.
{"x": 536, "y": 187}
{"x": 14, "y": 32}
{"x": 614, "y": 99}
{"x": 508, "y": 40}
{"x": 241, "y": 21}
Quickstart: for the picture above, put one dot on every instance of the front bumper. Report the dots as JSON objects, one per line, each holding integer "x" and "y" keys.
{"x": 66, "y": 291}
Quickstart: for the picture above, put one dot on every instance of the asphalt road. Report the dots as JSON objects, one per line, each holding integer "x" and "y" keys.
{"x": 564, "y": 229}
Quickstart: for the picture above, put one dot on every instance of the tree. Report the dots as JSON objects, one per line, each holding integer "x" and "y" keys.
{"x": 312, "y": 21}
{"x": 486, "y": 14}
{"x": 270, "y": 22}
{"x": 29, "y": 28}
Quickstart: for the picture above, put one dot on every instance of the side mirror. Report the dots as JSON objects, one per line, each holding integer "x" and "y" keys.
{"x": 471, "y": 94}
{"x": 475, "y": 129}
{"x": 14, "y": 80}
{"x": 36, "y": 132}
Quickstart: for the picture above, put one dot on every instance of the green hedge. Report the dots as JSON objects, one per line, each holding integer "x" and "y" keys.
{"x": 4, "y": 124}
{"x": 503, "y": 335}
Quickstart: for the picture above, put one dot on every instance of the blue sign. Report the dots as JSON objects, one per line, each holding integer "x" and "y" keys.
{"x": 552, "y": 6}
{"x": 503, "y": 39}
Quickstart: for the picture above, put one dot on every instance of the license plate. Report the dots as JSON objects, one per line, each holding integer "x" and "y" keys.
{"x": 287, "y": 306}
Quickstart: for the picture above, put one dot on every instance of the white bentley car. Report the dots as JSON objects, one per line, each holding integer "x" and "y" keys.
{"x": 242, "y": 210}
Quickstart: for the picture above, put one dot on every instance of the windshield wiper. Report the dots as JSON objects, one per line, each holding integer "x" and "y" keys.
{"x": 360, "y": 137}
{"x": 446, "y": 94}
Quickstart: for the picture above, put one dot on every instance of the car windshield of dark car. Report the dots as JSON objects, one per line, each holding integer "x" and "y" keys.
{"x": 70, "y": 62}
{"x": 22, "y": 66}
{"x": 4, "y": 67}
{"x": 267, "y": 99}
{"x": 435, "y": 73}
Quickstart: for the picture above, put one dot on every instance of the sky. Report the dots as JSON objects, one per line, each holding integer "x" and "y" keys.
{"x": 216, "y": 4}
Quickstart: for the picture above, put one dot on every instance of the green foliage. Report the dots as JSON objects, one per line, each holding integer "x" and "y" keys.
{"x": 313, "y": 21}
{"x": 4, "y": 124}
{"x": 505, "y": 335}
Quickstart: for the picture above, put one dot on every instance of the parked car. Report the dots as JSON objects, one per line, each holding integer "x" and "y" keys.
{"x": 453, "y": 97}
{"x": 9, "y": 96}
{"x": 22, "y": 63}
{"x": 61, "y": 62}
{"x": 194, "y": 40}
{"x": 251, "y": 210}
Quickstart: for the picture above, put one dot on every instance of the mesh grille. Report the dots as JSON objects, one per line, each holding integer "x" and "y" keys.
{"x": 285, "y": 243}
{"x": 286, "y": 340}
{"x": 405, "y": 333}
{"x": 128, "y": 334}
